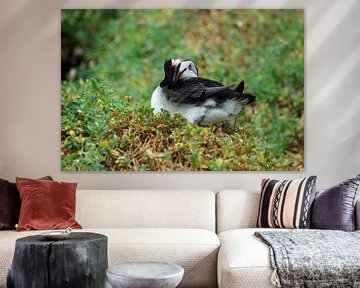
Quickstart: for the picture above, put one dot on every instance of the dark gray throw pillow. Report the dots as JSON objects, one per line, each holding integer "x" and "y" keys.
{"x": 334, "y": 208}
{"x": 10, "y": 204}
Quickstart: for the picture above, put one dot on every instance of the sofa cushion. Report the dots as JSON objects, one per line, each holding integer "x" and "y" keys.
{"x": 236, "y": 209}
{"x": 244, "y": 261}
{"x": 146, "y": 209}
{"x": 334, "y": 208}
{"x": 194, "y": 249}
{"x": 46, "y": 204}
{"x": 286, "y": 204}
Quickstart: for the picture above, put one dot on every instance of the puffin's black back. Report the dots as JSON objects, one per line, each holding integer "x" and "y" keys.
{"x": 196, "y": 90}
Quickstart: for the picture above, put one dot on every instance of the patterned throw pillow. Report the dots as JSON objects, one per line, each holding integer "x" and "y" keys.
{"x": 286, "y": 204}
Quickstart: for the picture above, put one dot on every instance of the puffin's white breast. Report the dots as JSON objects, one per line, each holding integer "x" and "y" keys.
{"x": 158, "y": 100}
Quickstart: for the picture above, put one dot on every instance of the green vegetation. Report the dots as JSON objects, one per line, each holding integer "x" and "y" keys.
{"x": 106, "y": 119}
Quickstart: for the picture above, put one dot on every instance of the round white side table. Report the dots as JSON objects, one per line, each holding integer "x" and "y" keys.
{"x": 145, "y": 275}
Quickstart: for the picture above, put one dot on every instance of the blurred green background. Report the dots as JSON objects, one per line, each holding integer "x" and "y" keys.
{"x": 112, "y": 60}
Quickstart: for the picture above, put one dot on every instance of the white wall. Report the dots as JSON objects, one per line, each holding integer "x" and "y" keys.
{"x": 30, "y": 95}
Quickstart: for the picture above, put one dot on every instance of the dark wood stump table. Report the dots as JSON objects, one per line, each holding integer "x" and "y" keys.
{"x": 78, "y": 261}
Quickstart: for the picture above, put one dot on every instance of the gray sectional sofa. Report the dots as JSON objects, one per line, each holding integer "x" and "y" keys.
{"x": 209, "y": 234}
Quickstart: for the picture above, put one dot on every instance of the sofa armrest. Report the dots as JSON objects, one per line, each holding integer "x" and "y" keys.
{"x": 357, "y": 215}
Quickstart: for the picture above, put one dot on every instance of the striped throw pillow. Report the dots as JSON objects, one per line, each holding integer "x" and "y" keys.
{"x": 286, "y": 204}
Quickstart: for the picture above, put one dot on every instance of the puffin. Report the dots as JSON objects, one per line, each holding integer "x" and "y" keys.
{"x": 200, "y": 100}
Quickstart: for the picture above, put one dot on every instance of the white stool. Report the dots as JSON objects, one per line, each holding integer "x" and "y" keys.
{"x": 145, "y": 275}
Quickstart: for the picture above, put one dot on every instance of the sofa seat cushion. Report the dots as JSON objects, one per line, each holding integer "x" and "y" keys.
{"x": 194, "y": 249}
{"x": 244, "y": 261}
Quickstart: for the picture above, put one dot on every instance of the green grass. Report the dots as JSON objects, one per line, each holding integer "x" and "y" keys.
{"x": 106, "y": 119}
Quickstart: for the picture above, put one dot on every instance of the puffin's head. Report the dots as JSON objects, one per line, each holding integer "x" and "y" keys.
{"x": 184, "y": 68}
{"x": 178, "y": 68}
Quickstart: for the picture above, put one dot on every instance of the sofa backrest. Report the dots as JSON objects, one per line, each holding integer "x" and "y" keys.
{"x": 236, "y": 209}
{"x": 146, "y": 209}
{"x": 239, "y": 209}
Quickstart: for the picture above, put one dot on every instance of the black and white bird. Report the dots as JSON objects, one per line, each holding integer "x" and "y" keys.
{"x": 198, "y": 99}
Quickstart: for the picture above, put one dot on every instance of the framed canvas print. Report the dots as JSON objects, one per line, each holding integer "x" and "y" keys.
{"x": 182, "y": 90}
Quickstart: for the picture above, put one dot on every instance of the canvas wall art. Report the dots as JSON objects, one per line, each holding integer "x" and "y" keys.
{"x": 182, "y": 90}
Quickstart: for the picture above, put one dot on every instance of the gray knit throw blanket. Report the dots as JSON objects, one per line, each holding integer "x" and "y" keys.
{"x": 313, "y": 258}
